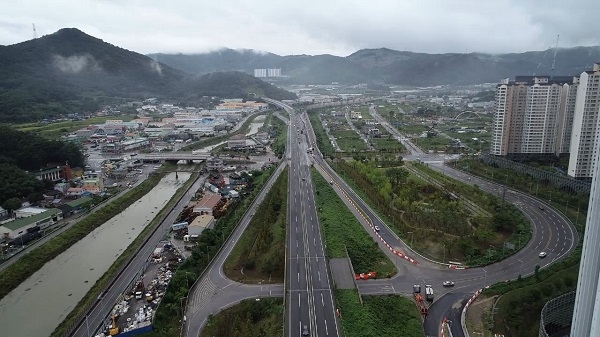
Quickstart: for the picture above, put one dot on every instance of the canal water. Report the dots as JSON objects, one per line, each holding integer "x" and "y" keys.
{"x": 39, "y": 304}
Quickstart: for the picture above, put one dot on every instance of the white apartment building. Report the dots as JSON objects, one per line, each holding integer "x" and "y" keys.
{"x": 529, "y": 113}
{"x": 584, "y": 136}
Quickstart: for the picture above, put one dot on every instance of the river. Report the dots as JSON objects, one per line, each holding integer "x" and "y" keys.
{"x": 37, "y": 306}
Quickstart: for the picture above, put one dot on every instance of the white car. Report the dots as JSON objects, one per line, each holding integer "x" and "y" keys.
{"x": 543, "y": 254}
{"x": 377, "y": 229}
{"x": 448, "y": 284}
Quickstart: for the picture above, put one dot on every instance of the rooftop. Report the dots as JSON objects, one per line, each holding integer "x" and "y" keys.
{"x": 22, "y": 222}
{"x": 201, "y": 221}
{"x": 79, "y": 201}
{"x": 209, "y": 200}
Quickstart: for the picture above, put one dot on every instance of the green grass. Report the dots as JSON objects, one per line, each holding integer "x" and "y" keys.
{"x": 387, "y": 144}
{"x": 248, "y": 318}
{"x": 55, "y": 130}
{"x": 341, "y": 231}
{"x": 390, "y": 315}
{"x": 323, "y": 142}
{"x": 349, "y": 140}
{"x": 260, "y": 251}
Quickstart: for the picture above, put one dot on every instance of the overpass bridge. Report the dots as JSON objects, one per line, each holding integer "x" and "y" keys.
{"x": 173, "y": 156}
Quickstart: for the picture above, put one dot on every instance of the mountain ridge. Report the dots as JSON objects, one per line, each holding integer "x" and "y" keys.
{"x": 70, "y": 71}
{"x": 385, "y": 65}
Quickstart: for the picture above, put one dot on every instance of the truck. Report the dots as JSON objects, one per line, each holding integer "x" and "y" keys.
{"x": 428, "y": 293}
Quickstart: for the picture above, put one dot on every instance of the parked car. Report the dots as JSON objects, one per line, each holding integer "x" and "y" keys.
{"x": 448, "y": 284}
{"x": 377, "y": 229}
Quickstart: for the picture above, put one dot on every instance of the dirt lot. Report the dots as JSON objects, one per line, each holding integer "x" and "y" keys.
{"x": 477, "y": 313}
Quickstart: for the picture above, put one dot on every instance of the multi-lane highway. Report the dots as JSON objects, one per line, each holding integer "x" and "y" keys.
{"x": 551, "y": 232}
{"x": 309, "y": 304}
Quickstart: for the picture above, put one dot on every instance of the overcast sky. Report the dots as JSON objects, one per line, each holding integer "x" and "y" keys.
{"x": 311, "y": 26}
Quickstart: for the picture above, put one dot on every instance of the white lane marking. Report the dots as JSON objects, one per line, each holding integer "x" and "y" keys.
{"x": 319, "y": 273}
{"x": 322, "y": 300}
{"x": 299, "y": 306}
{"x": 326, "y": 330}
{"x": 298, "y": 279}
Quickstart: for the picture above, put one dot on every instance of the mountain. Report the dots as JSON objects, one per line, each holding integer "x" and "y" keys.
{"x": 70, "y": 71}
{"x": 394, "y": 67}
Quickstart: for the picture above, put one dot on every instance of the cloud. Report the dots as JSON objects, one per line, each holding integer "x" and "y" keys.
{"x": 312, "y": 26}
{"x": 156, "y": 67}
{"x": 76, "y": 64}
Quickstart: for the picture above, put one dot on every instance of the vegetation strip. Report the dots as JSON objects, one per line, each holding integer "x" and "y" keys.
{"x": 342, "y": 230}
{"x": 248, "y": 318}
{"x": 76, "y": 315}
{"x": 389, "y": 315}
{"x": 259, "y": 254}
{"x": 167, "y": 321}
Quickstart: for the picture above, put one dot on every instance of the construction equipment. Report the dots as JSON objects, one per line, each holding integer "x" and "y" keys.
{"x": 421, "y": 304}
{"x": 113, "y": 330}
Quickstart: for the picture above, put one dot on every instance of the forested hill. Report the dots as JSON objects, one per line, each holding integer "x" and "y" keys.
{"x": 23, "y": 152}
{"x": 70, "y": 71}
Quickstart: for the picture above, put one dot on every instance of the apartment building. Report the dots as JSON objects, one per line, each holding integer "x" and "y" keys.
{"x": 584, "y": 135}
{"x": 531, "y": 116}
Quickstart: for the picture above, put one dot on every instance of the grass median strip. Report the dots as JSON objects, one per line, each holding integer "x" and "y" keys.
{"x": 342, "y": 230}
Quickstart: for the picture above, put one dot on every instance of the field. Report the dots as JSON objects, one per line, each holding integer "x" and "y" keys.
{"x": 55, "y": 130}
{"x": 248, "y": 318}
{"x": 259, "y": 253}
{"x": 389, "y": 315}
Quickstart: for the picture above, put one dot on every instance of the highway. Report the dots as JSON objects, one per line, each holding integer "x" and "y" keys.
{"x": 551, "y": 232}
{"x": 309, "y": 301}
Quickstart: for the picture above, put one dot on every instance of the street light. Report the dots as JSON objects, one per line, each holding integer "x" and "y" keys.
{"x": 411, "y": 238}
{"x": 520, "y": 267}
{"x": 484, "y": 277}
{"x": 444, "y": 258}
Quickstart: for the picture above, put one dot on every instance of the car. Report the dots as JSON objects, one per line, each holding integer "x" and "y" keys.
{"x": 303, "y": 178}
{"x": 417, "y": 288}
{"x": 543, "y": 254}
{"x": 331, "y": 182}
{"x": 377, "y": 229}
{"x": 305, "y": 330}
{"x": 541, "y": 208}
{"x": 448, "y": 284}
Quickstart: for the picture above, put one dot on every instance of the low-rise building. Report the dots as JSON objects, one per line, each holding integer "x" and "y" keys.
{"x": 237, "y": 141}
{"x": 200, "y": 223}
{"x": 19, "y": 227}
{"x": 207, "y": 203}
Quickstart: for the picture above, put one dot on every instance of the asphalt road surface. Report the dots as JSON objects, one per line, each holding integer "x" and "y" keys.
{"x": 309, "y": 304}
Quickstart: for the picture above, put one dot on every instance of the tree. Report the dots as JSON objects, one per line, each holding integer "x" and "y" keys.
{"x": 12, "y": 204}
{"x": 396, "y": 176}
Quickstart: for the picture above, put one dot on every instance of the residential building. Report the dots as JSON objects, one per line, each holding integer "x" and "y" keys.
{"x": 261, "y": 73}
{"x": 584, "y": 137}
{"x": 529, "y": 112}
{"x": 586, "y": 315}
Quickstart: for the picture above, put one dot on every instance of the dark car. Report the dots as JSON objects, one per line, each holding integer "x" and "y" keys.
{"x": 448, "y": 284}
